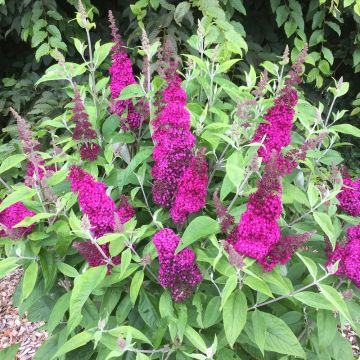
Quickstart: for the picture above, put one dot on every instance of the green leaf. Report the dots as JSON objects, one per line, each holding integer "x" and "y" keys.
{"x": 125, "y": 261}
{"x": 57, "y": 72}
{"x": 212, "y": 312}
{"x": 38, "y": 38}
{"x": 180, "y": 11}
{"x": 135, "y": 286}
{"x": 313, "y": 300}
{"x": 234, "y": 316}
{"x": 20, "y": 194}
{"x": 109, "y": 127}
{"x": 336, "y": 300}
{"x": 235, "y": 168}
{"x": 128, "y": 330}
{"x": 313, "y": 194}
{"x": 131, "y": 91}
{"x": 29, "y": 281}
{"x": 346, "y": 129}
{"x": 9, "y": 353}
{"x": 238, "y": 5}
{"x": 43, "y": 50}
{"x": 58, "y": 312}
{"x": 109, "y": 238}
{"x": 324, "y": 67}
{"x": 327, "y": 328}
{"x": 84, "y": 284}
{"x": 328, "y": 55}
{"x": 258, "y": 285}
{"x": 200, "y": 227}
{"x": 8, "y": 265}
{"x": 229, "y": 287}
{"x": 195, "y": 339}
{"x": 67, "y": 270}
{"x": 324, "y": 221}
{"x": 29, "y": 220}
{"x": 226, "y": 65}
{"x": 279, "y": 338}
{"x": 75, "y": 342}
{"x": 259, "y": 328}
{"x": 101, "y": 53}
{"x": 11, "y": 161}
{"x": 310, "y": 264}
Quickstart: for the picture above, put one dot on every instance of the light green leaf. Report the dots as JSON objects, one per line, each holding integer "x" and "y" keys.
{"x": 324, "y": 221}
{"x": 212, "y": 312}
{"x": 327, "y": 328}
{"x": 259, "y": 328}
{"x": 279, "y": 338}
{"x": 125, "y": 261}
{"x": 234, "y": 316}
{"x": 43, "y": 50}
{"x": 313, "y": 194}
{"x": 101, "y": 53}
{"x": 135, "y": 286}
{"x": 226, "y": 65}
{"x": 8, "y": 265}
{"x": 67, "y": 270}
{"x": 9, "y": 353}
{"x": 131, "y": 91}
{"x": 109, "y": 238}
{"x": 228, "y": 289}
{"x": 83, "y": 287}
{"x": 346, "y": 129}
{"x": 29, "y": 281}
{"x": 200, "y": 227}
{"x": 21, "y": 194}
{"x": 180, "y": 11}
{"x": 195, "y": 339}
{"x": 125, "y": 330}
{"x": 58, "y": 312}
{"x": 75, "y": 342}
{"x": 11, "y": 161}
{"x": 336, "y": 300}
{"x": 235, "y": 168}
{"x": 314, "y": 300}
{"x": 29, "y": 220}
{"x": 310, "y": 264}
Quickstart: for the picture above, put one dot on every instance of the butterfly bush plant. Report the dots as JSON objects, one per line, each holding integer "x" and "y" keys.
{"x": 176, "y": 210}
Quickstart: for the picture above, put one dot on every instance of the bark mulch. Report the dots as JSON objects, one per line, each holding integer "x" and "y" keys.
{"x": 14, "y": 329}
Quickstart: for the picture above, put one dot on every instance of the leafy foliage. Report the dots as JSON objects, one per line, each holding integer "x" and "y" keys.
{"x": 101, "y": 280}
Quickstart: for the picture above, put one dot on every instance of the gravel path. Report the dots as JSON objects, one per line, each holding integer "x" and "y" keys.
{"x": 14, "y": 330}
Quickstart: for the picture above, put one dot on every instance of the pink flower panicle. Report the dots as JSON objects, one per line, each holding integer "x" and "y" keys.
{"x": 83, "y": 130}
{"x": 178, "y": 272}
{"x": 349, "y": 256}
{"x": 12, "y": 216}
{"x": 293, "y": 156}
{"x": 277, "y": 132}
{"x": 349, "y": 197}
{"x": 29, "y": 145}
{"x": 261, "y": 85}
{"x": 116, "y": 37}
{"x": 282, "y": 251}
{"x": 258, "y": 230}
{"x": 99, "y": 207}
{"x": 192, "y": 188}
{"x": 296, "y": 68}
{"x": 121, "y": 75}
{"x": 225, "y": 219}
{"x": 173, "y": 144}
{"x": 125, "y": 211}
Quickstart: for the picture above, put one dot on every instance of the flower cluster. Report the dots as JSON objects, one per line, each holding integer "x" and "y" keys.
{"x": 178, "y": 272}
{"x": 121, "y": 75}
{"x": 282, "y": 251}
{"x": 192, "y": 188}
{"x": 99, "y": 208}
{"x": 258, "y": 230}
{"x": 349, "y": 197}
{"x": 173, "y": 144}
{"x": 83, "y": 130}
{"x": 349, "y": 256}
{"x": 277, "y": 132}
{"x": 12, "y": 216}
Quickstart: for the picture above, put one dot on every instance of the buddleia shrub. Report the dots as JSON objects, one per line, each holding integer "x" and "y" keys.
{"x": 170, "y": 213}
